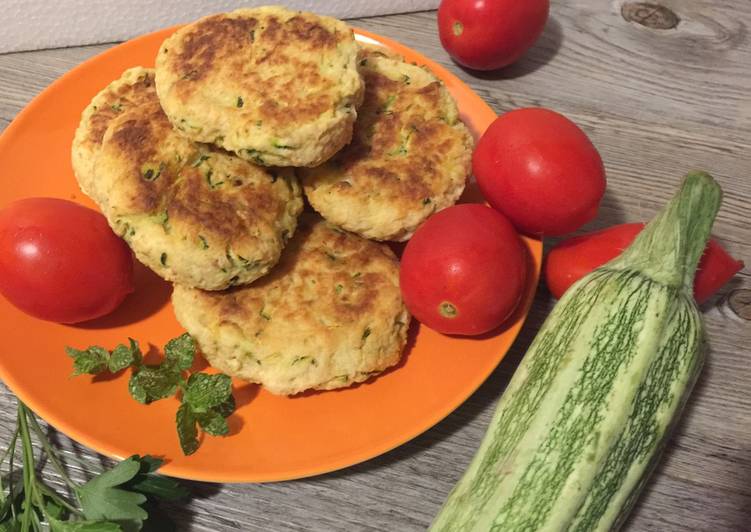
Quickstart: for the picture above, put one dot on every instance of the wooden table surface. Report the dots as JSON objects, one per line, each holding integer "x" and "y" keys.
{"x": 656, "y": 103}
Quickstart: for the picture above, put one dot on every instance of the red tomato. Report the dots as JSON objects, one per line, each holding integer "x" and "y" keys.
{"x": 490, "y": 34}
{"x": 61, "y": 262}
{"x": 464, "y": 270}
{"x": 574, "y": 258}
{"x": 540, "y": 170}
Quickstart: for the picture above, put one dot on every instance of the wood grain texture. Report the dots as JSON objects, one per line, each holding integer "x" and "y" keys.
{"x": 656, "y": 103}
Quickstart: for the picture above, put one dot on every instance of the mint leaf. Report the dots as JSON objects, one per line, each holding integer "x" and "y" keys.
{"x": 213, "y": 423}
{"x": 93, "y": 360}
{"x": 208, "y": 400}
{"x": 227, "y": 408}
{"x": 186, "y": 429}
{"x": 180, "y": 352}
{"x": 152, "y": 383}
{"x": 124, "y": 356}
{"x": 102, "y": 500}
{"x": 97, "y": 359}
{"x": 204, "y": 392}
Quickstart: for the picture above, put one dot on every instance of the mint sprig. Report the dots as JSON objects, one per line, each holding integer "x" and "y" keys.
{"x": 206, "y": 399}
{"x": 151, "y": 383}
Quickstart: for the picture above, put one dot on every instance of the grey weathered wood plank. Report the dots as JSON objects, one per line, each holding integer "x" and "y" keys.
{"x": 656, "y": 104}
{"x": 25, "y": 74}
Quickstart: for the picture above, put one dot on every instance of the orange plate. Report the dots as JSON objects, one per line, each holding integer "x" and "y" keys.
{"x": 272, "y": 438}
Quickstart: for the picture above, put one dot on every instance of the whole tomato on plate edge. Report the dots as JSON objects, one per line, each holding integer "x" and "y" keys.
{"x": 464, "y": 270}
{"x": 60, "y": 261}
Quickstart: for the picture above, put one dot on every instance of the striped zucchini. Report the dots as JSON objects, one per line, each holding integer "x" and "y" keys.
{"x": 587, "y": 412}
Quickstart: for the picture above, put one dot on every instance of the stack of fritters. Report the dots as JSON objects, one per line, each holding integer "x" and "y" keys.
{"x": 194, "y": 165}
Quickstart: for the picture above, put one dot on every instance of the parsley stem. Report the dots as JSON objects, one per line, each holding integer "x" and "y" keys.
{"x": 51, "y": 454}
{"x": 28, "y": 469}
{"x": 11, "y": 447}
{"x": 35, "y": 521}
{"x": 58, "y": 499}
{"x": 33, "y": 496}
{"x": 11, "y": 486}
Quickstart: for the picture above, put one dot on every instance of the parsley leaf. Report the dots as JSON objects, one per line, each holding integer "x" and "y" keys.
{"x": 149, "y": 464}
{"x": 152, "y": 383}
{"x": 155, "y": 485}
{"x": 83, "y": 526}
{"x": 102, "y": 499}
{"x": 93, "y": 360}
{"x": 122, "y": 499}
{"x": 53, "y": 509}
{"x": 186, "y": 429}
{"x": 180, "y": 352}
{"x": 204, "y": 392}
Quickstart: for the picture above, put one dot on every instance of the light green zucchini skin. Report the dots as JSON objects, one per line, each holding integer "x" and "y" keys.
{"x": 588, "y": 410}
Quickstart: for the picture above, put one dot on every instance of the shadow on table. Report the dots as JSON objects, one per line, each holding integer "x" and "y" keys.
{"x": 541, "y": 53}
{"x": 181, "y": 512}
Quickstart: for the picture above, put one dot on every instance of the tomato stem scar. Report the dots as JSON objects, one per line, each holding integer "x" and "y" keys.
{"x": 447, "y": 310}
{"x": 458, "y": 28}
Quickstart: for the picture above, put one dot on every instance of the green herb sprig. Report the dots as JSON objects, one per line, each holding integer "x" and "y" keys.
{"x": 206, "y": 399}
{"x": 123, "y": 498}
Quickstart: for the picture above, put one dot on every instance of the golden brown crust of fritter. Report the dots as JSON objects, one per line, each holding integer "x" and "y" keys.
{"x": 275, "y": 86}
{"x": 409, "y": 157}
{"x": 120, "y": 97}
{"x": 195, "y": 214}
{"x": 133, "y": 88}
{"x": 330, "y": 314}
